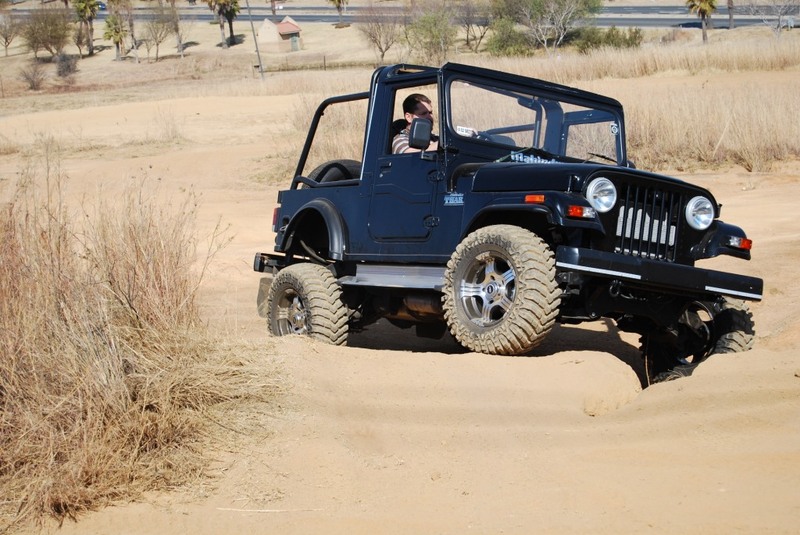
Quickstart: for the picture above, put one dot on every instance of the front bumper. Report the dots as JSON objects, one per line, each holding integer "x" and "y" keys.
{"x": 674, "y": 278}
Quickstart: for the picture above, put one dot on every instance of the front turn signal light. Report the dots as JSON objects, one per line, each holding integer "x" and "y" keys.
{"x": 534, "y": 199}
{"x": 583, "y": 212}
{"x": 740, "y": 243}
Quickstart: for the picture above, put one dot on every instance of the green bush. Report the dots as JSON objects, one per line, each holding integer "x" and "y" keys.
{"x": 588, "y": 39}
{"x": 507, "y": 40}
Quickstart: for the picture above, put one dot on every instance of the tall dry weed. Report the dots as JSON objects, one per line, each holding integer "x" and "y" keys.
{"x": 751, "y": 125}
{"x": 107, "y": 373}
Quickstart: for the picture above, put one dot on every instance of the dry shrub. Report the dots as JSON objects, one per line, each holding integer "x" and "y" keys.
{"x": 7, "y": 146}
{"x": 33, "y": 75}
{"x": 107, "y": 374}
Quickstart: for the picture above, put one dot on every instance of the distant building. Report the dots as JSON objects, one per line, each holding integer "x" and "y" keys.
{"x": 281, "y": 37}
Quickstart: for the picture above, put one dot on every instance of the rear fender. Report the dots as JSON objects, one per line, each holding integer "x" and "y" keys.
{"x": 304, "y": 222}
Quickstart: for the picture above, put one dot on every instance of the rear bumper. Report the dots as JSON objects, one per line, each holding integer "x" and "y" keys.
{"x": 674, "y": 278}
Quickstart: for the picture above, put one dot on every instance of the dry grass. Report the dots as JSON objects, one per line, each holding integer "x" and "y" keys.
{"x": 108, "y": 375}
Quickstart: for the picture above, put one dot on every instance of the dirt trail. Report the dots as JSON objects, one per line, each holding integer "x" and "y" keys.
{"x": 399, "y": 435}
{"x": 427, "y": 442}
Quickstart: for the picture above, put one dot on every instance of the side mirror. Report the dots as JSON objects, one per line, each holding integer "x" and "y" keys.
{"x": 420, "y": 134}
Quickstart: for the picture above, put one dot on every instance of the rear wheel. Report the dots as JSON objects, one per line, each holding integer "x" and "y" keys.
{"x": 500, "y": 294}
{"x": 306, "y": 299}
{"x": 705, "y": 328}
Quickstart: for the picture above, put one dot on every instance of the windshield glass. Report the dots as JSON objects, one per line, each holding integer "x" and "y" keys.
{"x": 532, "y": 127}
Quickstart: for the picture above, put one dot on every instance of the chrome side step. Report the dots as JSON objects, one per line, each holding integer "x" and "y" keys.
{"x": 396, "y": 276}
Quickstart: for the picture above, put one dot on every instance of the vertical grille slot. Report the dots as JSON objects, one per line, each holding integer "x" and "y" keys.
{"x": 647, "y": 223}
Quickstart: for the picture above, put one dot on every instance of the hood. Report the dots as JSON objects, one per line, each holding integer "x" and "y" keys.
{"x": 558, "y": 176}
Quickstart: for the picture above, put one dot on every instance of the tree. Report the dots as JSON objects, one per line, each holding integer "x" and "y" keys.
{"x": 157, "y": 29}
{"x": 380, "y": 27}
{"x": 80, "y": 39}
{"x": 730, "y": 14}
{"x": 225, "y": 10}
{"x": 183, "y": 28}
{"x": 115, "y": 32}
{"x": 432, "y": 34}
{"x": 10, "y": 27}
{"x": 49, "y": 29}
{"x": 474, "y": 16}
{"x": 703, "y": 9}
{"x": 341, "y": 6}
{"x": 125, "y": 10}
{"x": 507, "y": 40}
{"x": 177, "y": 29}
{"x": 86, "y": 10}
{"x": 775, "y": 14}
{"x": 547, "y": 21}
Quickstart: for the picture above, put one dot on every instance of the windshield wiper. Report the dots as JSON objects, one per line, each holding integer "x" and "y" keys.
{"x": 601, "y": 156}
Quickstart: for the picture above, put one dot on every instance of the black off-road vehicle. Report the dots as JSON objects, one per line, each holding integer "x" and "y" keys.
{"x": 528, "y": 213}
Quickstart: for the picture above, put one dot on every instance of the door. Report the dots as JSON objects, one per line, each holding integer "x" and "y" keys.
{"x": 402, "y": 198}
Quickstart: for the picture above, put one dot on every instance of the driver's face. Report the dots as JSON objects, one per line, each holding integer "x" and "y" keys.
{"x": 422, "y": 111}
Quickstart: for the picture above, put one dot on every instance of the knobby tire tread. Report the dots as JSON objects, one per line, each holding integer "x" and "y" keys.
{"x": 537, "y": 298}
{"x": 322, "y": 296}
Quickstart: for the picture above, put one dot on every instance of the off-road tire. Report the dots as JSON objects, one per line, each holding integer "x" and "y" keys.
{"x": 735, "y": 326}
{"x": 730, "y": 330}
{"x": 306, "y": 299}
{"x": 500, "y": 295}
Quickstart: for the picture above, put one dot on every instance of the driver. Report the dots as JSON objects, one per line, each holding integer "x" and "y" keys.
{"x": 415, "y": 106}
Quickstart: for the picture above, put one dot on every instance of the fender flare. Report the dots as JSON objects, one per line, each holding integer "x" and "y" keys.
{"x": 716, "y": 244}
{"x": 337, "y": 241}
{"x": 551, "y": 210}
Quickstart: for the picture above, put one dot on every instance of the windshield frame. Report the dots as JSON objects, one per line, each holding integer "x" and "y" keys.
{"x": 566, "y": 110}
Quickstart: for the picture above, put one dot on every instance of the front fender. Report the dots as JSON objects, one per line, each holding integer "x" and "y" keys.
{"x": 333, "y": 222}
{"x": 717, "y": 242}
{"x": 552, "y": 210}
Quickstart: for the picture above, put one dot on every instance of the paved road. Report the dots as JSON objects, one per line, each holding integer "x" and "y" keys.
{"x": 620, "y": 16}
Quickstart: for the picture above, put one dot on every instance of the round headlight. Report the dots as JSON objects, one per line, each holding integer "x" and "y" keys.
{"x": 699, "y": 213}
{"x": 601, "y": 194}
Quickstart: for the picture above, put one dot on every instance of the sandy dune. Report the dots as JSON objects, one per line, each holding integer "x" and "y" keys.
{"x": 399, "y": 435}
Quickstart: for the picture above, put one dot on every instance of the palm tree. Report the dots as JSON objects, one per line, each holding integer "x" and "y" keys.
{"x": 704, "y": 9}
{"x": 225, "y": 10}
{"x": 115, "y": 32}
{"x": 86, "y": 11}
{"x": 730, "y": 14}
{"x": 340, "y": 5}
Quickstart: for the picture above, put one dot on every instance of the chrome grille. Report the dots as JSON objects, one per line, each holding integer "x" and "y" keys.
{"x": 647, "y": 224}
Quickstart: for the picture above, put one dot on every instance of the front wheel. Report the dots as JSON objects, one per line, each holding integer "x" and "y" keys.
{"x": 705, "y": 328}
{"x": 306, "y": 299}
{"x": 500, "y": 294}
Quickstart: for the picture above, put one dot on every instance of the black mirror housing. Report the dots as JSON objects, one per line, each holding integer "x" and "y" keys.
{"x": 420, "y": 134}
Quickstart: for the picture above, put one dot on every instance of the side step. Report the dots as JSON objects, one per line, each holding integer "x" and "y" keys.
{"x": 396, "y": 276}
